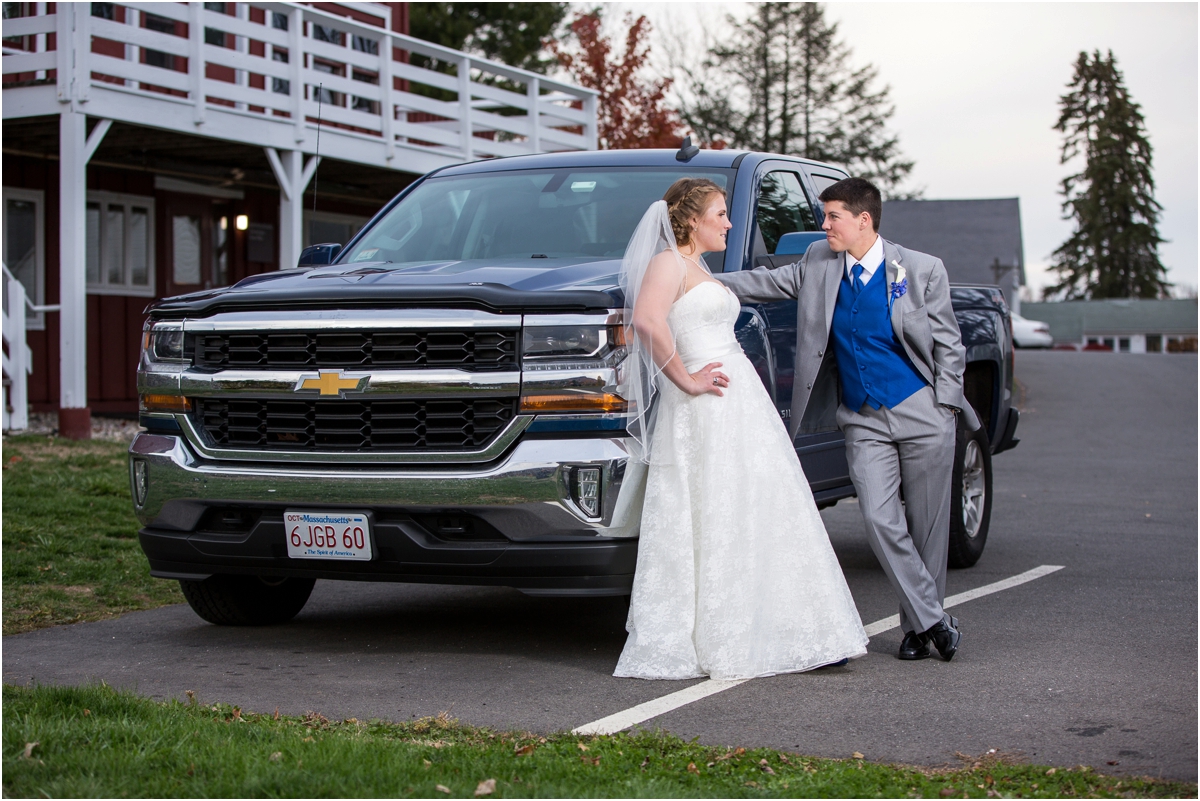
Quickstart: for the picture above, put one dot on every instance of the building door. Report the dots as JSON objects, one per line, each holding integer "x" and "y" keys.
{"x": 197, "y": 244}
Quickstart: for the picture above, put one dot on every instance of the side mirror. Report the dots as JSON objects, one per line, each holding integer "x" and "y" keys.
{"x": 319, "y": 255}
{"x": 795, "y": 243}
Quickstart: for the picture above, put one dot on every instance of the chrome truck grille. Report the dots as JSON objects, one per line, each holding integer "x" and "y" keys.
{"x": 349, "y": 425}
{"x": 474, "y": 350}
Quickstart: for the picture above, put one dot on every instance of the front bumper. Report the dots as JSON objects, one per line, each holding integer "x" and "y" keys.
{"x": 511, "y": 522}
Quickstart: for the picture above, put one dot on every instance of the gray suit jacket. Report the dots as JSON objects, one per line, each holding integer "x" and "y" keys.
{"x": 922, "y": 319}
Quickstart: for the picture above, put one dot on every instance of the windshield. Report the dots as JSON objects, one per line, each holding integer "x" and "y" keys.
{"x": 522, "y": 214}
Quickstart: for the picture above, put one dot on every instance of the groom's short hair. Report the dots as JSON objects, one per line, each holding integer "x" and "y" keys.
{"x": 857, "y": 195}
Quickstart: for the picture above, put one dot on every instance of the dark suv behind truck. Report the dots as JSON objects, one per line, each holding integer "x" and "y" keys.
{"x": 440, "y": 403}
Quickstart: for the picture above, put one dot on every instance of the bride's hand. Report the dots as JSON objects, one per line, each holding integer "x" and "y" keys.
{"x": 708, "y": 379}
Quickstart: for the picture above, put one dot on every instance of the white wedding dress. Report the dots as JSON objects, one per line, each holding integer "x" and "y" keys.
{"x": 735, "y": 574}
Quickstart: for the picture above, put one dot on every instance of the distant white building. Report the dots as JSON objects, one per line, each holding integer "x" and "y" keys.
{"x": 1122, "y": 326}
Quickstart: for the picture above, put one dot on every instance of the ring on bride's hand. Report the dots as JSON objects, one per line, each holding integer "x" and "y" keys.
{"x": 715, "y": 384}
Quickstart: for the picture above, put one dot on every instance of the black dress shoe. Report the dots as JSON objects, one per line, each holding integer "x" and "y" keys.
{"x": 914, "y": 646}
{"x": 945, "y": 636}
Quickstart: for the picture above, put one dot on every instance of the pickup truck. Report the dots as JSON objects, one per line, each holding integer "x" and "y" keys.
{"x": 438, "y": 401}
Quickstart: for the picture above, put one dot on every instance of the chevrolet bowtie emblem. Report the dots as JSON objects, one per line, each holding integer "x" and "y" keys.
{"x": 331, "y": 383}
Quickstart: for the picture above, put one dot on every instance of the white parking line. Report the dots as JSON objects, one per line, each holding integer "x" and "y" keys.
{"x": 660, "y": 706}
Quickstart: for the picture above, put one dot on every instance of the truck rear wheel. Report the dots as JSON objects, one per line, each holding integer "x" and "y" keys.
{"x": 247, "y": 600}
{"x": 970, "y": 497}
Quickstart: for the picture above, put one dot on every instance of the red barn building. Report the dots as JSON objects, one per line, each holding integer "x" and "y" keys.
{"x": 154, "y": 149}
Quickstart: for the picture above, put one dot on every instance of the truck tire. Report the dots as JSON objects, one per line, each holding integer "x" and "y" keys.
{"x": 970, "y": 497}
{"x": 247, "y": 600}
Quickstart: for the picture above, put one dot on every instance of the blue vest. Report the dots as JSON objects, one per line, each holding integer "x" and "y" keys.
{"x": 873, "y": 366}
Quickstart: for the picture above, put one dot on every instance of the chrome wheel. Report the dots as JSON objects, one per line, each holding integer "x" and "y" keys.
{"x": 974, "y": 489}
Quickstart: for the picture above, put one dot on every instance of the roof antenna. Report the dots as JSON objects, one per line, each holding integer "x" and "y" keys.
{"x": 687, "y": 150}
{"x": 317, "y": 156}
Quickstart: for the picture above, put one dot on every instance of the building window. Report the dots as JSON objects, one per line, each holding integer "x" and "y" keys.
{"x": 1153, "y": 343}
{"x": 365, "y": 45}
{"x": 25, "y": 246}
{"x": 321, "y": 227}
{"x": 1123, "y": 344}
{"x": 120, "y": 244}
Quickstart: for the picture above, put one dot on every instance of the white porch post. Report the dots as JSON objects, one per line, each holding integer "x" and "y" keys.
{"x": 293, "y": 174}
{"x": 74, "y": 415}
{"x": 75, "y": 150}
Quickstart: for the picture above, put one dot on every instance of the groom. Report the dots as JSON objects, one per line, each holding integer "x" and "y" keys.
{"x": 877, "y": 345}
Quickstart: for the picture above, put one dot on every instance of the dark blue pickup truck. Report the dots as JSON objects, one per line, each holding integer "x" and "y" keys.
{"x": 438, "y": 401}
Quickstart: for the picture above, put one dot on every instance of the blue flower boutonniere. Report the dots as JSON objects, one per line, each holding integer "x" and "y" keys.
{"x": 899, "y": 286}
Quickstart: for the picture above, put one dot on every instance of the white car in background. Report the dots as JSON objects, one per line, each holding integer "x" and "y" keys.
{"x": 1030, "y": 333}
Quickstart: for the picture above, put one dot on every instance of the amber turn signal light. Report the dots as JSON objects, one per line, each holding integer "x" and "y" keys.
{"x": 606, "y": 402}
{"x": 165, "y": 403}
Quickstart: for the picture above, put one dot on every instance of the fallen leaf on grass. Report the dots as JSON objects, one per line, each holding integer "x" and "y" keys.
{"x": 582, "y": 747}
{"x": 857, "y": 755}
{"x": 590, "y": 760}
{"x": 783, "y": 759}
{"x": 485, "y": 788}
{"x": 441, "y": 788}
{"x": 645, "y": 762}
{"x": 691, "y": 768}
{"x": 275, "y": 757}
{"x": 428, "y": 764}
{"x": 946, "y": 792}
{"x": 87, "y": 712}
{"x": 735, "y": 753}
{"x": 523, "y": 750}
{"x": 1052, "y": 771}
{"x": 766, "y": 768}
{"x": 752, "y": 784}
{"x": 237, "y": 713}
{"x": 191, "y": 694}
{"x": 276, "y": 715}
{"x": 28, "y": 752}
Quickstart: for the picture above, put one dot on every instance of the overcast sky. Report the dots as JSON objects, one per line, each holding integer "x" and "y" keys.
{"x": 976, "y": 88}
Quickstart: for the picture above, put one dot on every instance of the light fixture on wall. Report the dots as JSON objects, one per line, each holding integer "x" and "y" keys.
{"x": 242, "y": 222}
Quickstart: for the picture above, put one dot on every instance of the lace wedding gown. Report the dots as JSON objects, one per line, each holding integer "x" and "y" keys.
{"x": 735, "y": 574}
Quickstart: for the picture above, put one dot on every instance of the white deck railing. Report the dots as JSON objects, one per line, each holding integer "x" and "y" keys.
{"x": 18, "y": 359}
{"x": 184, "y": 56}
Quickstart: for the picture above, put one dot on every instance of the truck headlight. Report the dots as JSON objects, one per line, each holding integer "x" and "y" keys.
{"x": 163, "y": 342}
{"x": 571, "y": 368}
{"x": 571, "y": 341}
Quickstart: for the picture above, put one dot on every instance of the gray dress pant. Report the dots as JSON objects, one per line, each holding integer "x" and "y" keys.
{"x": 912, "y": 446}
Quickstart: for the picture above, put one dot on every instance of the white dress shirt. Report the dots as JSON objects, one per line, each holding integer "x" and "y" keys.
{"x": 870, "y": 262}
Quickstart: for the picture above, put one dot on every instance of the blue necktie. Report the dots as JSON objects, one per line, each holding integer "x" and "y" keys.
{"x": 857, "y": 271}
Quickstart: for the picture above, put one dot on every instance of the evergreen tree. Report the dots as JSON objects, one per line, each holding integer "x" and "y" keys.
{"x": 783, "y": 84}
{"x": 1113, "y": 252}
{"x": 511, "y": 33}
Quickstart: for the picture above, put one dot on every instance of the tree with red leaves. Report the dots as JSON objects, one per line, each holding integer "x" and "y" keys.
{"x": 632, "y": 109}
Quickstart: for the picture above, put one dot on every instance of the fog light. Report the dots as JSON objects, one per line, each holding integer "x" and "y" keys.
{"x": 140, "y": 482}
{"x": 587, "y": 490}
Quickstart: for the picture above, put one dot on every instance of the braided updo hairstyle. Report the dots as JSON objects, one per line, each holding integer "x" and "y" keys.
{"x": 688, "y": 198}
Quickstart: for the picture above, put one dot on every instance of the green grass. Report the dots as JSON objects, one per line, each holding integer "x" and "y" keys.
{"x": 70, "y": 538}
{"x": 94, "y": 741}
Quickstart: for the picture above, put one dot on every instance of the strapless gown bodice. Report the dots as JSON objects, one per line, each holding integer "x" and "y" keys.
{"x": 702, "y": 322}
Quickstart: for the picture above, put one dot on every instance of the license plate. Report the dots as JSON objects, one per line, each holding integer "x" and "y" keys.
{"x": 327, "y": 535}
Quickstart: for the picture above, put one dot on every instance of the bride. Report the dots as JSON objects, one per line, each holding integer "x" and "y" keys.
{"x": 735, "y": 574}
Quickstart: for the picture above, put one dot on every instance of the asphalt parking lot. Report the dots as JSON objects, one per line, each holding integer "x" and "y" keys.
{"x": 1092, "y": 664}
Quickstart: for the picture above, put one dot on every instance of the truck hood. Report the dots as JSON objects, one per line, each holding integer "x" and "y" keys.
{"x": 514, "y": 285}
